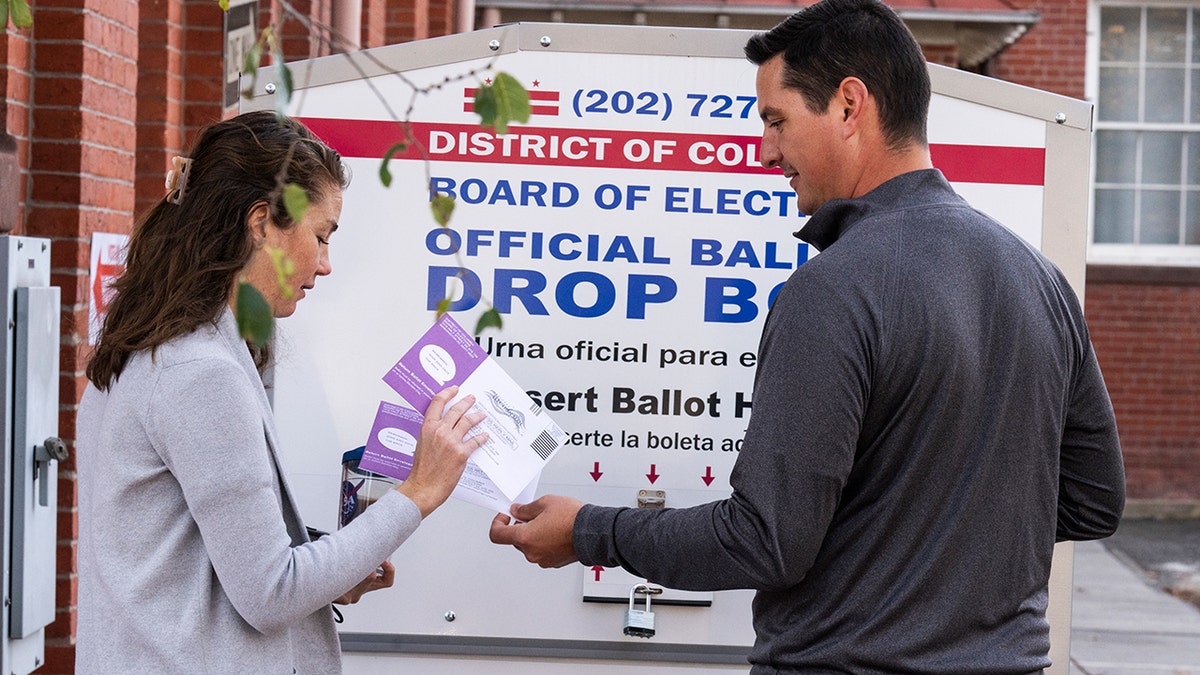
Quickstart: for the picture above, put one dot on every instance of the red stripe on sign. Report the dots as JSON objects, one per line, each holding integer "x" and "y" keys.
{"x": 469, "y": 106}
{"x": 644, "y": 150}
{"x": 534, "y": 94}
{"x": 1003, "y": 165}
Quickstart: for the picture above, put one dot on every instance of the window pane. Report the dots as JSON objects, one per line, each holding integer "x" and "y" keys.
{"x": 1192, "y": 177}
{"x": 1164, "y": 94}
{"x": 1114, "y": 216}
{"x": 1160, "y": 217}
{"x": 1195, "y": 116}
{"x": 1115, "y": 153}
{"x": 1196, "y": 36}
{"x": 1162, "y": 154}
{"x": 1118, "y": 94}
{"x": 1120, "y": 30}
{"x": 1192, "y": 232}
{"x": 1166, "y": 35}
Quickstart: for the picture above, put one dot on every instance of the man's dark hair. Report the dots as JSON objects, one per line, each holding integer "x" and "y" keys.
{"x": 835, "y": 39}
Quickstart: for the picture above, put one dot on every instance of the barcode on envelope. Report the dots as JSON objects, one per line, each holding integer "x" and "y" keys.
{"x": 535, "y": 409}
{"x": 544, "y": 445}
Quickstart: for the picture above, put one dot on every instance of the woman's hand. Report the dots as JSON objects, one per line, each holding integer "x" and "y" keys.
{"x": 380, "y": 578}
{"x": 442, "y": 451}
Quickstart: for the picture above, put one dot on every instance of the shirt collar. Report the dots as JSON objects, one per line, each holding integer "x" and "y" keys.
{"x": 837, "y": 216}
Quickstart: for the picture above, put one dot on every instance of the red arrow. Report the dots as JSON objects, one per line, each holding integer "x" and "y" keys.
{"x": 653, "y": 475}
{"x": 105, "y": 274}
{"x": 707, "y": 477}
{"x": 597, "y": 569}
{"x": 596, "y": 473}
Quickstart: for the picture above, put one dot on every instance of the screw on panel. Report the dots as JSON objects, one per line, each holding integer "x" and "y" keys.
{"x": 545, "y": 41}
{"x": 449, "y": 615}
{"x": 1061, "y": 118}
{"x": 494, "y": 45}
{"x": 270, "y": 87}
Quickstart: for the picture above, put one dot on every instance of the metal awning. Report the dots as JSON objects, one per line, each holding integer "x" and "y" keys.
{"x": 978, "y": 28}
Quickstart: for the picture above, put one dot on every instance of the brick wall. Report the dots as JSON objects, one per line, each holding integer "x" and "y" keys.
{"x": 943, "y": 55}
{"x": 1052, "y": 55}
{"x": 374, "y": 23}
{"x": 202, "y": 69}
{"x": 407, "y": 21}
{"x": 160, "y": 96}
{"x": 15, "y": 80}
{"x": 1144, "y": 321}
{"x": 442, "y": 17}
{"x": 1146, "y": 330}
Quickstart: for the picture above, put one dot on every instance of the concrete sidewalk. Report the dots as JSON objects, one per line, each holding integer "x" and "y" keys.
{"x": 1123, "y": 623}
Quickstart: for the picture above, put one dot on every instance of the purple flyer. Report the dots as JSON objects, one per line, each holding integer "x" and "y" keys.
{"x": 389, "y": 449}
{"x": 446, "y": 355}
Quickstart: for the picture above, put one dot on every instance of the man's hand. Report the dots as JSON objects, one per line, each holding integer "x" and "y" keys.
{"x": 380, "y": 578}
{"x": 542, "y": 531}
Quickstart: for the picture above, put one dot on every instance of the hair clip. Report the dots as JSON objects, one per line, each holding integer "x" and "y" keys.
{"x": 177, "y": 179}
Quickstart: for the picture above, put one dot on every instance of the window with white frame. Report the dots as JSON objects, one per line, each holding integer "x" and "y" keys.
{"x": 1146, "y": 75}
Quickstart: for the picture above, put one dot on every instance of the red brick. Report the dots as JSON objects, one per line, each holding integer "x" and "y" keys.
{"x": 65, "y": 556}
{"x": 66, "y": 594}
{"x": 74, "y": 285}
{"x": 71, "y": 386}
{"x": 60, "y": 658}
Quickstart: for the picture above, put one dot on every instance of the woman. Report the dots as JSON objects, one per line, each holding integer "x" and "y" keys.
{"x": 192, "y": 554}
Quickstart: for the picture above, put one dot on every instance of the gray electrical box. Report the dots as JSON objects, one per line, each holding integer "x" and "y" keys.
{"x": 30, "y": 482}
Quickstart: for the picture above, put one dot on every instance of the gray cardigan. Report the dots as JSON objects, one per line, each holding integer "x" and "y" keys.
{"x": 192, "y": 554}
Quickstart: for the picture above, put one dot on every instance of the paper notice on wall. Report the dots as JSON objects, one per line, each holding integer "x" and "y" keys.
{"x": 108, "y": 263}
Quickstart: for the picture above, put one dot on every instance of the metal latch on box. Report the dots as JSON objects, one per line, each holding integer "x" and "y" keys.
{"x": 51, "y": 450}
{"x": 651, "y": 499}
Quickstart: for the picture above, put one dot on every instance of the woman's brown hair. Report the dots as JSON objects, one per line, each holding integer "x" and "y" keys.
{"x": 183, "y": 259}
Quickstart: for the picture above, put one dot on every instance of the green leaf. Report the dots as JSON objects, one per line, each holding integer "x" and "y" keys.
{"x": 252, "y": 59}
{"x": 223, "y": 4}
{"x": 443, "y": 306}
{"x": 3, "y": 15}
{"x": 284, "y": 268}
{"x": 385, "y": 176}
{"x": 295, "y": 201}
{"x": 501, "y": 102}
{"x": 283, "y": 94}
{"x": 250, "y": 64}
{"x": 254, "y": 319}
{"x": 489, "y": 319}
{"x": 21, "y": 16}
{"x": 442, "y": 206}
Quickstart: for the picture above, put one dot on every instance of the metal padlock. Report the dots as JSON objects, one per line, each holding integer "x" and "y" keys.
{"x": 640, "y": 623}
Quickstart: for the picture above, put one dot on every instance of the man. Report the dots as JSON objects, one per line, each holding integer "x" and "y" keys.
{"x": 929, "y": 417}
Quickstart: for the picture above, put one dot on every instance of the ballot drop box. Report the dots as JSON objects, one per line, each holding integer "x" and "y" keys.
{"x": 632, "y": 242}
